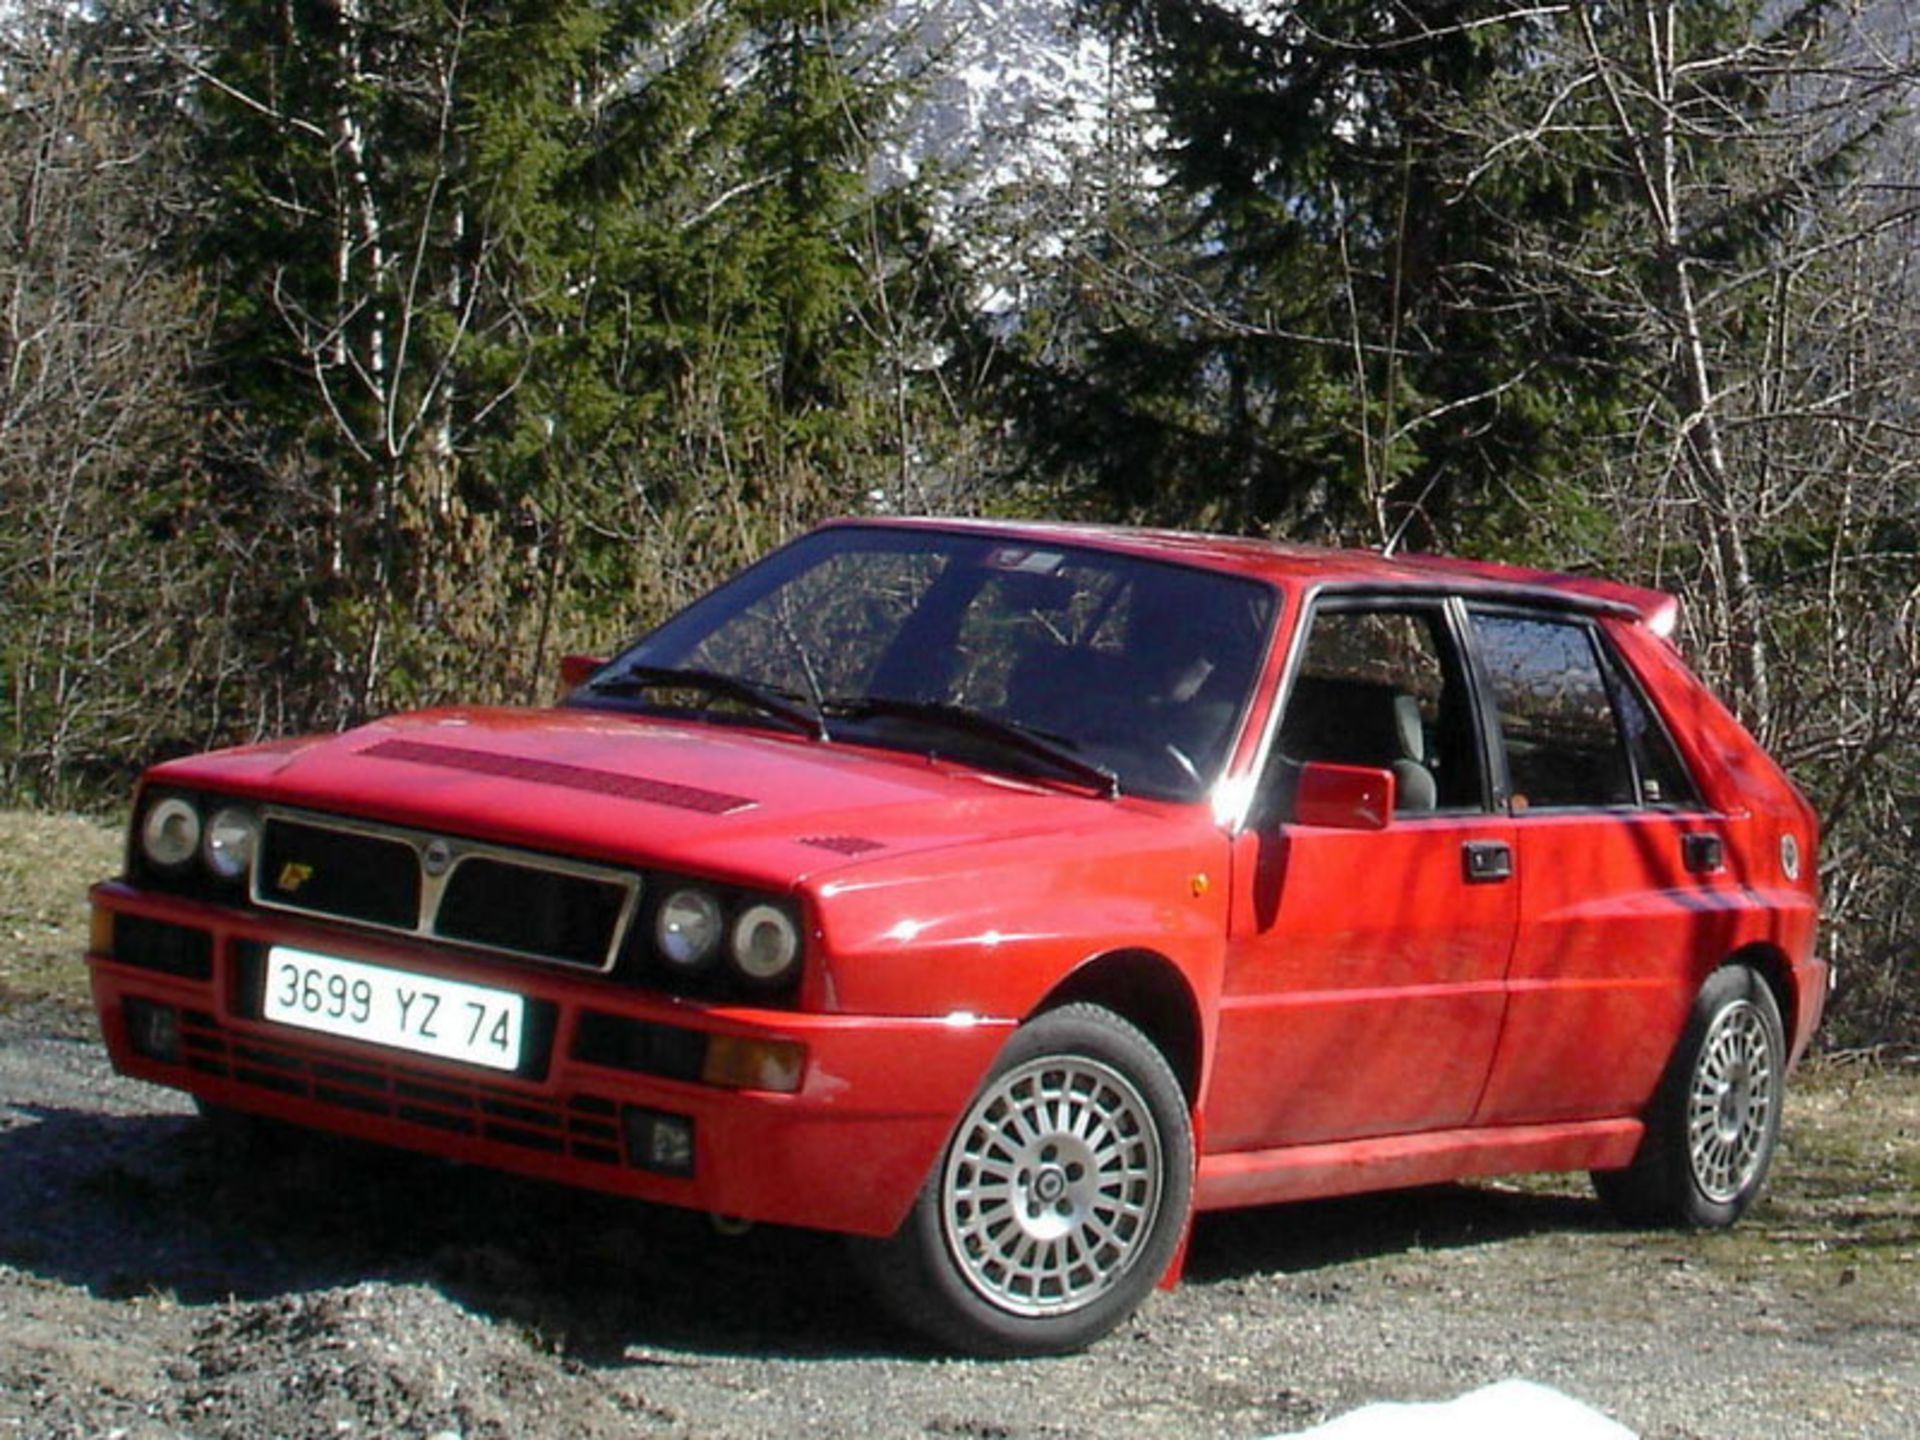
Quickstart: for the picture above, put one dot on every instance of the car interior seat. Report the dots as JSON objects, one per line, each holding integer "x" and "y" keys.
{"x": 1362, "y": 722}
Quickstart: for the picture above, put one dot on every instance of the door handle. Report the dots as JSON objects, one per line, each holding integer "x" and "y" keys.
{"x": 1488, "y": 862}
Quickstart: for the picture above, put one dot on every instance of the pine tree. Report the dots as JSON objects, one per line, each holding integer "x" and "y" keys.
{"x": 1308, "y": 323}
{"x": 540, "y": 313}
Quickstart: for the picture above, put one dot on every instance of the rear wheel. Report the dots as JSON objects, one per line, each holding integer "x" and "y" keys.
{"x": 1715, "y": 1121}
{"x": 1059, "y": 1200}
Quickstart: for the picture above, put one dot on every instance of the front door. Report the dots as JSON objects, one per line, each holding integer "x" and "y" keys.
{"x": 1365, "y": 977}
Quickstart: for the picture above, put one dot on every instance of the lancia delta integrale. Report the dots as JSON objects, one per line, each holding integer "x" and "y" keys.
{"x": 1000, "y": 896}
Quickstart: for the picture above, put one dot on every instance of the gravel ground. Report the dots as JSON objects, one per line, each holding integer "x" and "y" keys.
{"x": 160, "y": 1279}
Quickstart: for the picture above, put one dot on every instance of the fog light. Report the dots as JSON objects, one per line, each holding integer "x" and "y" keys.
{"x": 153, "y": 1030}
{"x": 754, "y": 1064}
{"x": 659, "y": 1142}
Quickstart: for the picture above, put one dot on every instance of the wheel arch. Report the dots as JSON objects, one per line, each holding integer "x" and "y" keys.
{"x": 1148, "y": 991}
{"x": 1772, "y": 966}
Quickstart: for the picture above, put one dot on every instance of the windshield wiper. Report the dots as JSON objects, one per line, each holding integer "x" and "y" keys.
{"x": 764, "y": 698}
{"x": 1004, "y": 733}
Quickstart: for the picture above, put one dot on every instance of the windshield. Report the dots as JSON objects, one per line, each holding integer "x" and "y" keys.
{"x": 911, "y": 639}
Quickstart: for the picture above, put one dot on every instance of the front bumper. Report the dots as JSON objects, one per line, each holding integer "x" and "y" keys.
{"x": 846, "y": 1150}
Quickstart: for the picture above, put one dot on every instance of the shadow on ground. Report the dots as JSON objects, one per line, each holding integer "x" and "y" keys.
{"x": 1317, "y": 1234}
{"x": 176, "y": 1206}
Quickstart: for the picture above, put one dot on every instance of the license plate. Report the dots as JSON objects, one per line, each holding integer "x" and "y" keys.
{"x": 422, "y": 1013}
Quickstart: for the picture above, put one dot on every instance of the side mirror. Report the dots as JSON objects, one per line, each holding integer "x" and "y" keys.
{"x": 575, "y": 670}
{"x": 1343, "y": 797}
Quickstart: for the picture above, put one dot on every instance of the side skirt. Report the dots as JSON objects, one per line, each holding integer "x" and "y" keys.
{"x": 1396, "y": 1162}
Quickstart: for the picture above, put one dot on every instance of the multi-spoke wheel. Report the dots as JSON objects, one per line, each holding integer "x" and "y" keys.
{"x": 1052, "y": 1185}
{"x": 1060, "y": 1198}
{"x": 1713, "y": 1124}
{"x": 1731, "y": 1102}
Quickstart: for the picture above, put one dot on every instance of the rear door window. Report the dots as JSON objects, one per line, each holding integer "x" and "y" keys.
{"x": 1663, "y": 779}
{"x": 1576, "y": 732}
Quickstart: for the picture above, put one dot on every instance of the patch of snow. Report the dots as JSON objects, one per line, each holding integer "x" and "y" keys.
{"x": 1509, "y": 1410}
{"x": 1011, "y": 90}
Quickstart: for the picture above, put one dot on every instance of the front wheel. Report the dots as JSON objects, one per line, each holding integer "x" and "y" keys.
{"x": 1715, "y": 1120}
{"x": 1059, "y": 1200}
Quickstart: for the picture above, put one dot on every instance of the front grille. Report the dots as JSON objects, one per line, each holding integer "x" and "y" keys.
{"x": 514, "y": 902}
{"x": 582, "y": 1127}
{"x": 531, "y": 912}
{"x": 644, "y": 1047}
{"x": 348, "y": 875}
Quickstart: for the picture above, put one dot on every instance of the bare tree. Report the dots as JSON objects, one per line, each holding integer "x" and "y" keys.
{"x": 113, "y": 634}
{"x": 1763, "y": 259}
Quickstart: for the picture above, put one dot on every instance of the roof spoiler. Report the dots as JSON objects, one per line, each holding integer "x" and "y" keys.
{"x": 1656, "y": 609}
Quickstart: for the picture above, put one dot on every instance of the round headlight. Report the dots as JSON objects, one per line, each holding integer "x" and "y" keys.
{"x": 171, "y": 833}
{"x": 229, "y": 843}
{"x": 766, "y": 944}
{"x": 688, "y": 927}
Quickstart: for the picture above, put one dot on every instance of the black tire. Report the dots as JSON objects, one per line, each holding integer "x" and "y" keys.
{"x": 1058, "y": 1202}
{"x": 1715, "y": 1120}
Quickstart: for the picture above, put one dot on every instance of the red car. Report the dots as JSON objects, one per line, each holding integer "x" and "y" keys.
{"x": 1002, "y": 895}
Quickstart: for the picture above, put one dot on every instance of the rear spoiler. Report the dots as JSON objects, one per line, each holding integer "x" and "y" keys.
{"x": 1656, "y": 609}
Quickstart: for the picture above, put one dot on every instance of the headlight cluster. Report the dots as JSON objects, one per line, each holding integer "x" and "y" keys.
{"x": 184, "y": 837}
{"x": 696, "y": 927}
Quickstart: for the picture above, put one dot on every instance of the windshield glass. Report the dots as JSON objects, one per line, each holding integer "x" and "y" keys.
{"x": 1135, "y": 666}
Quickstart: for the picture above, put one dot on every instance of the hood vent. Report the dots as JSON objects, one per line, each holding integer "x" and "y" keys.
{"x": 843, "y": 844}
{"x": 569, "y": 777}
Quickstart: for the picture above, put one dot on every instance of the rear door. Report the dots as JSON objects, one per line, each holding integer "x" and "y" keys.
{"x": 1622, "y": 879}
{"x": 1365, "y": 969}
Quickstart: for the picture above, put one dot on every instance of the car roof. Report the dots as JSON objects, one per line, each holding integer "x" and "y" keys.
{"x": 1302, "y": 567}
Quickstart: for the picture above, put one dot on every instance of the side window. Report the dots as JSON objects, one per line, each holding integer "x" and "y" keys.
{"x": 1664, "y": 781}
{"x": 1563, "y": 740}
{"x": 1384, "y": 688}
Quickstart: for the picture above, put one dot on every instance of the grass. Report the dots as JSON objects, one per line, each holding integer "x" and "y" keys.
{"x": 1841, "y": 1217}
{"x": 46, "y": 864}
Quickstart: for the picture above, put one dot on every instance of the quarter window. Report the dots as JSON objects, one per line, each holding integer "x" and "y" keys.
{"x": 1664, "y": 782}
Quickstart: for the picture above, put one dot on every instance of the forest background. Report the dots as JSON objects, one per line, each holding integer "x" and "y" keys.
{"x": 365, "y": 353}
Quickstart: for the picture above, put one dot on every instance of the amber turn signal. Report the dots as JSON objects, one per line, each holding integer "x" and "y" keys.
{"x": 100, "y": 933}
{"x": 740, "y": 1064}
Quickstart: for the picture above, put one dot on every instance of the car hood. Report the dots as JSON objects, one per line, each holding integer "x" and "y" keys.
{"x": 727, "y": 801}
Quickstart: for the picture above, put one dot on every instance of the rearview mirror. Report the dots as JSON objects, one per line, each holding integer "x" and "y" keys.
{"x": 1343, "y": 797}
